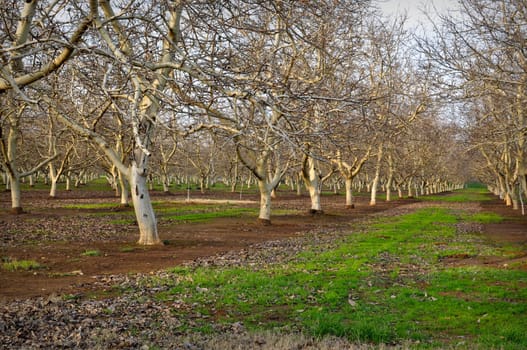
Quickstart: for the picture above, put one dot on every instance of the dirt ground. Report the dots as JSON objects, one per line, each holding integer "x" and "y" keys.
{"x": 57, "y": 237}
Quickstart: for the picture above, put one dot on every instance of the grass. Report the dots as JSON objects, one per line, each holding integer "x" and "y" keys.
{"x": 383, "y": 285}
{"x": 484, "y": 218}
{"x": 192, "y": 212}
{"x": 88, "y": 206}
{"x": 470, "y": 194}
{"x": 180, "y": 211}
{"x": 17, "y": 265}
{"x": 127, "y": 249}
{"x": 92, "y": 252}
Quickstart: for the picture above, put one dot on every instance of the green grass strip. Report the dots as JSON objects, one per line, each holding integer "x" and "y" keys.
{"x": 471, "y": 194}
{"x": 384, "y": 285}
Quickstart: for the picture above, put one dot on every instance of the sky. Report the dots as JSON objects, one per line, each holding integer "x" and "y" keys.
{"x": 414, "y": 7}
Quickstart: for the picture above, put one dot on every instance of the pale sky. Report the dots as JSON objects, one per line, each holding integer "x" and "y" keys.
{"x": 414, "y": 7}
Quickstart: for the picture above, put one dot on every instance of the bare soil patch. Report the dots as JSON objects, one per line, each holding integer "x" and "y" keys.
{"x": 510, "y": 234}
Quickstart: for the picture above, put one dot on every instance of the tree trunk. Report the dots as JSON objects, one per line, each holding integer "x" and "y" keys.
{"x": 10, "y": 163}
{"x": 234, "y": 179}
{"x": 312, "y": 182}
{"x": 68, "y": 182}
{"x": 410, "y": 189}
{"x": 291, "y": 182}
{"x": 298, "y": 183}
{"x": 314, "y": 194}
{"x": 514, "y": 198}
{"x": 373, "y": 191}
{"x": 53, "y": 189}
{"x": 125, "y": 194}
{"x": 165, "y": 181}
{"x": 350, "y": 200}
{"x": 54, "y": 179}
{"x": 375, "y": 183}
{"x": 523, "y": 183}
{"x": 14, "y": 182}
{"x": 144, "y": 212}
{"x": 202, "y": 184}
{"x": 265, "y": 202}
{"x": 389, "y": 186}
{"x": 502, "y": 187}
{"x": 165, "y": 186}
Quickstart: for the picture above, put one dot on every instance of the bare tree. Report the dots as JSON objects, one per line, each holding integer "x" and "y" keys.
{"x": 480, "y": 55}
{"x": 34, "y": 48}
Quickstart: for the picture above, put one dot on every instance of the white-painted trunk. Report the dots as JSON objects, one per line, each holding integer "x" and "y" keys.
{"x": 249, "y": 181}
{"x": 312, "y": 182}
{"x": 234, "y": 178}
{"x": 389, "y": 188}
{"x": 523, "y": 183}
{"x": 376, "y": 179}
{"x": 202, "y": 184}
{"x": 373, "y": 193}
{"x": 298, "y": 188}
{"x": 265, "y": 201}
{"x": 113, "y": 180}
{"x": 350, "y": 200}
{"x": 146, "y": 219}
{"x": 125, "y": 194}
{"x": 314, "y": 194}
{"x": 16, "y": 201}
{"x": 53, "y": 189}
{"x": 13, "y": 183}
{"x": 389, "y": 181}
{"x": 54, "y": 180}
{"x": 514, "y": 197}
{"x": 502, "y": 188}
